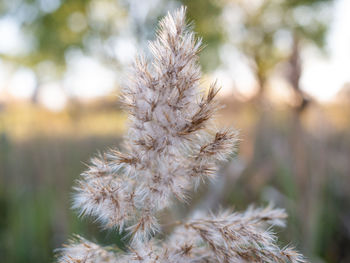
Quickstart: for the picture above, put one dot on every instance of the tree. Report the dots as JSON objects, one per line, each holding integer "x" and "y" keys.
{"x": 266, "y": 24}
{"x": 53, "y": 28}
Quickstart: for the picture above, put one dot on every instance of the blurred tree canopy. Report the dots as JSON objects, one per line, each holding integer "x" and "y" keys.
{"x": 264, "y": 31}
{"x": 53, "y": 28}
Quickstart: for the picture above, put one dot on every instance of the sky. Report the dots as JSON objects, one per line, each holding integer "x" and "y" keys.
{"x": 86, "y": 78}
{"x": 323, "y": 78}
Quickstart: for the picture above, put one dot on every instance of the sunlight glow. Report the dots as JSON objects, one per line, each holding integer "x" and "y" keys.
{"x": 22, "y": 84}
{"x": 324, "y": 78}
{"x": 52, "y": 97}
{"x": 11, "y": 38}
{"x": 86, "y": 78}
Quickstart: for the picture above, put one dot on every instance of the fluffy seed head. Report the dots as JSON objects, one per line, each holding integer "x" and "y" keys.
{"x": 169, "y": 148}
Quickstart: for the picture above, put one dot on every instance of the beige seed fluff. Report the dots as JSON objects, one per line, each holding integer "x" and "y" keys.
{"x": 168, "y": 149}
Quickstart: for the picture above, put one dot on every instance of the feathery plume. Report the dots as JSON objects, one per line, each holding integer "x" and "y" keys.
{"x": 80, "y": 250}
{"x": 160, "y": 162}
{"x": 170, "y": 148}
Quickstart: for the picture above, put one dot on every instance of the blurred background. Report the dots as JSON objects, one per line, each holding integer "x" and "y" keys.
{"x": 284, "y": 68}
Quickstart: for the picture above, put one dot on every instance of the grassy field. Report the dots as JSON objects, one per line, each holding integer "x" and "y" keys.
{"x": 304, "y": 170}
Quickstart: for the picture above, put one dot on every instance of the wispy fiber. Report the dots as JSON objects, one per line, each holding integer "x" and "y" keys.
{"x": 169, "y": 148}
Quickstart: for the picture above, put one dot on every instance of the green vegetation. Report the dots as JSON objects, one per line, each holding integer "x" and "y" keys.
{"x": 296, "y": 156}
{"x": 37, "y": 172}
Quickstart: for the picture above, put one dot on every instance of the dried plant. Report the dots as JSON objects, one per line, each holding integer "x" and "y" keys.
{"x": 169, "y": 149}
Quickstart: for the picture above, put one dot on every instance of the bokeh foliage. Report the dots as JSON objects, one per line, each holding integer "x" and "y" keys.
{"x": 42, "y": 153}
{"x": 53, "y": 28}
